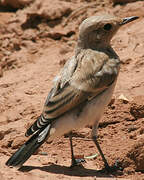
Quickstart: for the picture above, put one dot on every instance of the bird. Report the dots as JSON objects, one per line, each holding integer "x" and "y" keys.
{"x": 81, "y": 90}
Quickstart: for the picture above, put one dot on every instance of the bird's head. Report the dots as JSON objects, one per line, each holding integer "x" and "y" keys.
{"x": 97, "y": 31}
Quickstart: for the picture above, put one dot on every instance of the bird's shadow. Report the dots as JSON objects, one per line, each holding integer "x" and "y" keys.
{"x": 79, "y": 171}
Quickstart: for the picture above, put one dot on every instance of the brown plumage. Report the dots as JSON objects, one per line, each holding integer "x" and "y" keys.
{"x": 81, "y": 90}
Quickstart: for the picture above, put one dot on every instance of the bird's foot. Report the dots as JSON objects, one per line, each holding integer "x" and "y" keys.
{"x": 77, "y": 162}
{"x": 114, "y": 168}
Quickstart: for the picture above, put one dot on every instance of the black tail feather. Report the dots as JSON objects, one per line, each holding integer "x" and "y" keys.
{"x": 28, "y": 148}
{"x": 33, "y": 128}
{"x": 39, "y": 124}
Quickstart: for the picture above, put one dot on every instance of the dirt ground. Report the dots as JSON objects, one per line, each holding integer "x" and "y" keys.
{"x": 35, "y": 42}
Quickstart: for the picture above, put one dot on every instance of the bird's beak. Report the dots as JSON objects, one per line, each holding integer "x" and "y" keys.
{"x": 128, "y": 19}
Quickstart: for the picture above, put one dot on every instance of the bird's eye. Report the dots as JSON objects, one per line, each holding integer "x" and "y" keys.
{"x": 107, "y": 27}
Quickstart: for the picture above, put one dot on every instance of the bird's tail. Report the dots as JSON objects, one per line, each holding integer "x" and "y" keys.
{"x": 28, "y": 148}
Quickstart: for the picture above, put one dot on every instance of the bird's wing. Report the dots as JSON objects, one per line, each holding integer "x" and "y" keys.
{"x": 63, "y": 96}
{"x": 82, "y": 78}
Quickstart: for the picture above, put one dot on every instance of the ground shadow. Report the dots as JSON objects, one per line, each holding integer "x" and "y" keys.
{"x": 79, "y": 171}
{"x": 5, "y": 9}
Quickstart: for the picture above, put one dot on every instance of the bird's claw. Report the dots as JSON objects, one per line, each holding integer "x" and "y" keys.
{"x": 77, "y": 162}
{"x": 114, "y": 168}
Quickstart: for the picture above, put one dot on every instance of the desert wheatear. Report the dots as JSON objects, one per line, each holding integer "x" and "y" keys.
{"x": 81, "y": 90}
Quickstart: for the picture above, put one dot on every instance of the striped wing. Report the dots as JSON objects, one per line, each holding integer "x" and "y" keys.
{"x": 65, "y": 99}
{"x": 78, "y": 81}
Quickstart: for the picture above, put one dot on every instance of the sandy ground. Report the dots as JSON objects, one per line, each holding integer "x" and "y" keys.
{"x": 34, "y": 43}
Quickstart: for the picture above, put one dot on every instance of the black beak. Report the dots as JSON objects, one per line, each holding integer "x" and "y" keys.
{"x": 128, "y": 19}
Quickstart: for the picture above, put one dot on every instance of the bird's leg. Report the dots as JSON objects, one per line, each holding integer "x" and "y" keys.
{"x": 101, "y": 153}
{"x": 107, "y": 167}
{"x": 74, "y": 162}
{"x": 94, "y": 137}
